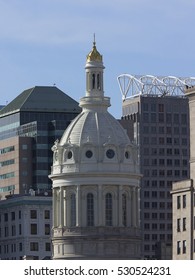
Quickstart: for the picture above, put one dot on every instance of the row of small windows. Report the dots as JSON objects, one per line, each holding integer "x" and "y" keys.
{"x": 14, "y": 230}
{"x": 156, "y": 194}
{"x": 156, "y": 183}
{"x": 12, "y": 216}
{"x": 11, "y": 175}
{"x": 163, "y": 151}
{"x": 162, "y": 172}
{"x": 162, "y": 161}
{"x": 7, "y": 175}
{"x": 7, "y": 162}
{"x": 156, "y": 226}
{"x": 156, "y": 205}
{"x": 110, "y": 153}
{"x": 160, "y": 107}
{"x": 90, "y": 209}
{"x": 7, "y": 150}
{"x": 13, "y": 248}
{"x": 161, "y": 227}
{"x": 176, "y": 130}
{"x": 165, "y": 141}
{"x": 157, "y": 216}
{"x": 155, "y": 237}
{"x": 168, "y": 118}
{"x": 7, "y": 188}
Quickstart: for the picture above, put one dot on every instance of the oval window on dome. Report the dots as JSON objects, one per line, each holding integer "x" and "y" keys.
{"x": 110, "y": 153}
{"x": 69, "y": 155}
{"x": 89, "y": 154}
{"x": 56, "y": 156}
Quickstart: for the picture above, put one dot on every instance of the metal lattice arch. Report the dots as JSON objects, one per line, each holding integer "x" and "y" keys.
{"x": 134, "y": 85}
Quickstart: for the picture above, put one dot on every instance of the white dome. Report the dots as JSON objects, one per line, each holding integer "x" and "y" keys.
{"x": 96, "y": 128}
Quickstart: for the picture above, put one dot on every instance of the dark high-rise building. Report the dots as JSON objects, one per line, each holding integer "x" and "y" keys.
{"x": 29, "y": 125}
{"x": 159, "y": 110}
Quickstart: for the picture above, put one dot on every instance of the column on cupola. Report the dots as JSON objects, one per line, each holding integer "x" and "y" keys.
{"x": 129, "y": 209}
{"x": 137, "y": 207}
{"x": 115, "y": 209}
{"x": 99, "y": 197}
{"x": 61, "y": 210}
{"x": 78, "y": 206}
{"x": 120, "y": 214}
{"x": 65, "y": 207}
{"x": 134, "y": 207}
{"x": 55, "y": 208}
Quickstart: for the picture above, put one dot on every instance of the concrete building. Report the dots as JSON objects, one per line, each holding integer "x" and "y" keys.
{"x": 183, "y": 194}
{"x": 28, "y": 127}
{"x": 159, "y": 110}
{"x": 95, "y": 177}
{"x": 25, "y": 226}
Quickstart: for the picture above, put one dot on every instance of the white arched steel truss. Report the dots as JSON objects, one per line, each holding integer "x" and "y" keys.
{"x": 134, "y": 85}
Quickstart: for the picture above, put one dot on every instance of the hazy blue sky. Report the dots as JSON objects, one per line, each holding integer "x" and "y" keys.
{"x": 43, "y": 42}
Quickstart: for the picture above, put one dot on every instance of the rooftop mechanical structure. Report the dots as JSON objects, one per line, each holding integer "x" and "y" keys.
{"x": 134, "y": 85}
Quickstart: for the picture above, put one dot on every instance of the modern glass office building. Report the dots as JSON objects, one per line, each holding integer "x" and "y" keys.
{"x": 29, "y": 125}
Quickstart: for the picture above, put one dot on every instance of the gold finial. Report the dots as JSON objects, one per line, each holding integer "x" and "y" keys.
{"x": 94, "y": 55}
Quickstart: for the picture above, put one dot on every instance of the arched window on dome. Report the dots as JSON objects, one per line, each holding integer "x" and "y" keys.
{"x": 73, "y": 210}
{"x": 124, "y": 209}
{"x": 93, "y": 81}
{"x": 108, "y": 209}
{"x": 90, "y": 209}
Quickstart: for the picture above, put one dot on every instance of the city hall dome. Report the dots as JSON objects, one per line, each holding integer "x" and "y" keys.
{"x": 95, "y": 140}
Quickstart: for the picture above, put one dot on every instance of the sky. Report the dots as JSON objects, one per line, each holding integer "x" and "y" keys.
{"x": 45, "y": 42}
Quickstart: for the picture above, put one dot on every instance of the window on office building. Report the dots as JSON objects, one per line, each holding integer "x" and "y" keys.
{"x": 146, "y": 226}
{"x": 47, "y": 229}
{"x": 33, "y": 228}
{"x": 24, "y": 147}
{"x": 13, "y": 216}
{"x": 161, "y": 151}
{"x": 146, "y": 236}
{"x": 161, "y": 129}
{"x": 184, "y": 201}
{"x": 178, "y": 202}
{"x": 146, "y": 215}
{"x": 47, "y": 214}
{"x": 34, "y": 246}
{"x": 178, "y": 247}
{"x": 47, "y": 246}
{"x": 178, "y": 225}
{"x": 154, "y": 215}
{"x": 154, "y": 237}
{"x": 154, "y": 226}
{"x": 184, "y": 246}
{"x": 161, "y": 108}
{"x": 5, "y": 217}
{"x": 13, "y": 230}
{"x": 162, "y": 216}
{"x": 184, "y": 224}
{"x": 20, "y": 246}
{"x": 33, "y": 214}
{"x": 154, "y": 194}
